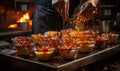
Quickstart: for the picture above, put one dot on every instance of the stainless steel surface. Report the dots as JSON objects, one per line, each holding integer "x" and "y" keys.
{"x": 118, "y": 19}
{"x": 23, "y": 5}
{"x": 4, "y": 43}
{"x": 23, "y": 24}
{"x": 15, "y": 33}
{"x": 106, "y": 26}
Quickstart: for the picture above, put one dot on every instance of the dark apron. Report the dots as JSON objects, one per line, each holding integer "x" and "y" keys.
{"x": 46, "y": 19}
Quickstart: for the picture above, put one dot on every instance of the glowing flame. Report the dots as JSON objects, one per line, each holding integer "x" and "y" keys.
{"x": 13, "y": 26}
{"x": 25, "y": 18}
{"x": 30, "y": 23}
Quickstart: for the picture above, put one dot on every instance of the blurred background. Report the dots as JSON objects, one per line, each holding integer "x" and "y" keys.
{"x": 15, "y": 16}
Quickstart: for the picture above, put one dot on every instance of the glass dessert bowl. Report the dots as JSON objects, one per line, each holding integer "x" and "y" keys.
{"x": 68, "y": 51}
{"x": 112, "y": 37}
{"x": 101, "y": 42}
{"x": 86, "y": 46}
{"x": 23, "y": 45}
{"x": 44, "y": 52}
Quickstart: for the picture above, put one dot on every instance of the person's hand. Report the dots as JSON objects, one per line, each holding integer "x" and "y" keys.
{"x": 88, "y": 9}
{"x": 62, "y": 6}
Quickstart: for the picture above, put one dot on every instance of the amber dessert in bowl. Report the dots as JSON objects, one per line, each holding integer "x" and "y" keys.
{"x": 23, "y": 45}
{"x": 36, "y": 37}
{"x": 53, "y": 35}
{"x": 74, "y": 33}
{"x": 101, "y": 42}
{"x": 65, "y": 33}
{"x": 68, "y": 51}
{"x": 86, "y": 46}
{"x": 44, "y": 40}
{"x": 112, "y": 37}
{"x": 91, "y": 33}
{"x": 44, "y": 52}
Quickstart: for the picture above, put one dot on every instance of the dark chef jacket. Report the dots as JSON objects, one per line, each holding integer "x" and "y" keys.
{"x": 46, "y": 18}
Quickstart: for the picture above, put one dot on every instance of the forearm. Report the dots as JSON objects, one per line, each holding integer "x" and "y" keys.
{"x": 94, "y": 2}
{"x": 62, "y": 6}
{"x": 88, "y": 8}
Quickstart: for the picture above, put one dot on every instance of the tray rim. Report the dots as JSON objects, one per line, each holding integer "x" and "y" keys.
{"x": 79, "y": 62}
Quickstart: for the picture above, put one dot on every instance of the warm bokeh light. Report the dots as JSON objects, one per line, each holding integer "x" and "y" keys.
{"x": 30, "y": 23}
{"x": 13, "y": 26}
{"x": 26, "y": 18}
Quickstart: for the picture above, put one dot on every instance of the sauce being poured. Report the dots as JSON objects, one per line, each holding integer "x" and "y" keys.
{"x": 79, "y": 22}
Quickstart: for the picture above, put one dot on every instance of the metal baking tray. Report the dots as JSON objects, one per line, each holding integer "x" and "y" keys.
{"x": 32, "y": 63}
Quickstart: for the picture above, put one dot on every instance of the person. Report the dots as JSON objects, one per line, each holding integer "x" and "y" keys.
{"x": 47, "y": 15}
{"x": 52, "y": 14}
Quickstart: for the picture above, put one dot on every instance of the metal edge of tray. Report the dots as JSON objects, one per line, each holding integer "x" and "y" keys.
{"x": 25, "y": 63}
{"x": 81, "y": 62}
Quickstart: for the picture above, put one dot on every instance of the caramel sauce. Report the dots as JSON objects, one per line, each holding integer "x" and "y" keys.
{"x": 79, "y": 22}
